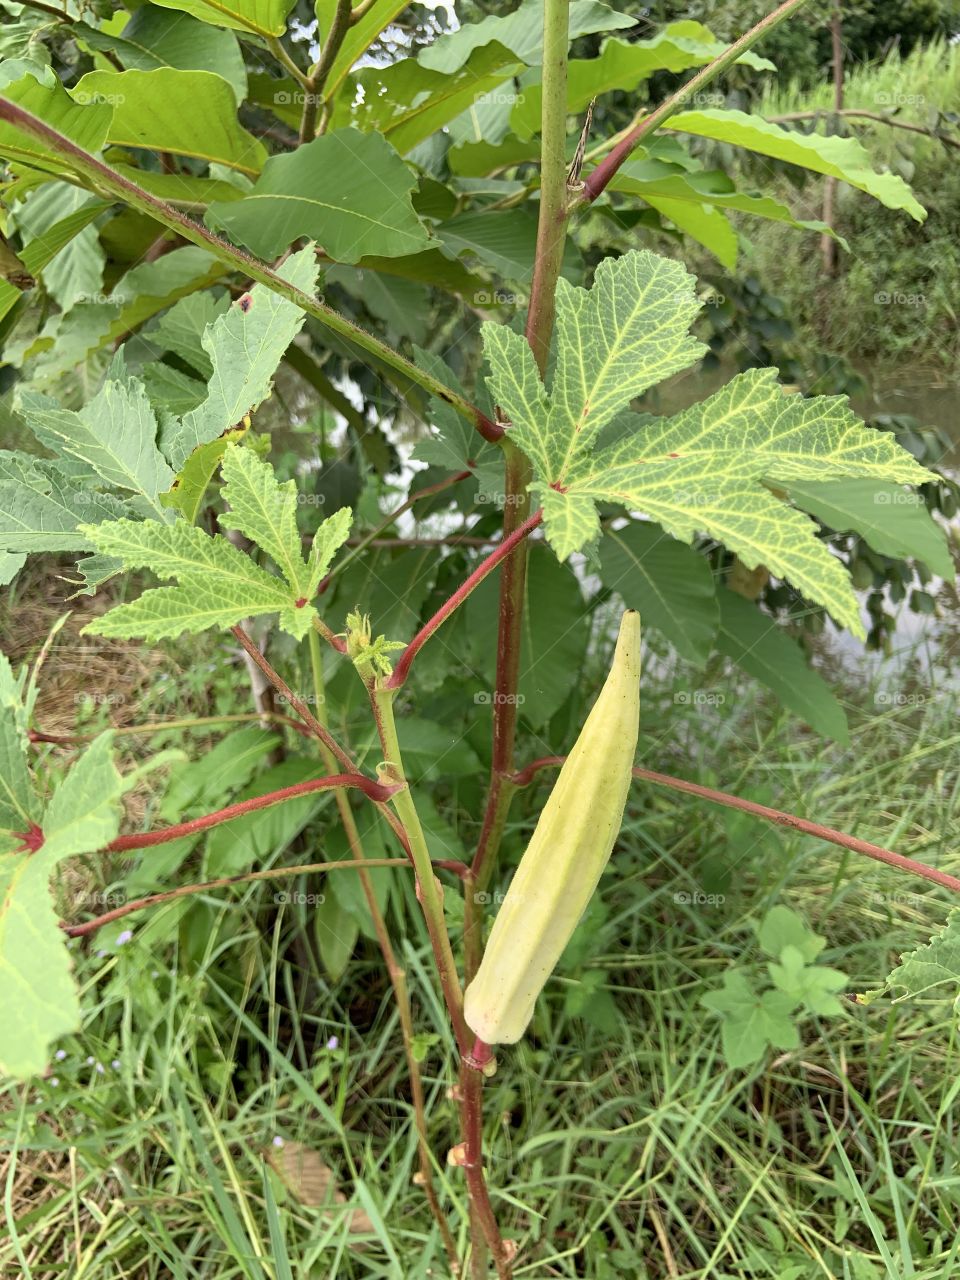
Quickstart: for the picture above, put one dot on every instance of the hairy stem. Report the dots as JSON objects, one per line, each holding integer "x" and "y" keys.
{"x": 552, "y": 221}
{"x": 102, "y": 178}
{"x": 397, "y": 976}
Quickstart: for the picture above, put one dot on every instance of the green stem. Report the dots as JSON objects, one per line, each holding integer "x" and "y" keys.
{"x": 397, "y": 976}
{"x": 429, "y": 889}
{"x": 104, "y": 179}
{"x": 288, "y": 64}
{"x": 552, "y": 221}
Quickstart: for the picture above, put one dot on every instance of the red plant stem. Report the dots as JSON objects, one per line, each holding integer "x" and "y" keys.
{"x": 185, "y": 890}
{"x": 301, "y": 708}
{"x": 598, "y": 179}
{"x": 147, "y": 839}
{"x": 485, "y": 567}
{"x": 471, "y": 1123}
{"x": 525, "y": 776}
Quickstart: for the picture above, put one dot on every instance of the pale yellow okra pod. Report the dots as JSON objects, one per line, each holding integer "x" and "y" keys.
{"x": 565, "y": 858}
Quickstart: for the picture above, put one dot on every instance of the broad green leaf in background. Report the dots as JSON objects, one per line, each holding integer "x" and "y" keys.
{"x": 504, "y": 240}
{"x": 432, "y": 751}
{"x": 668, "y": 583}
{"x": 360, "y": 206}
{"x": 408, "y": 103}
{"x": 520, "y": 31}
{"x": 156, "y": 37}
{"x": 843, "y": 158}
{"x": 336, "y": 931}
{"x": 457, "y": 446}
{"x": 266, "y": 512}
{"x": 68, "y": 340}
{"x": 755, "y": 642}
{"x": 160, "y": 110}
{"x": 347, "y": 889}
{"x": 623, "y": 65}
{"x": 694, "y": 202}
{"x": 87, "y": 126}
{"x": 701, "y": 471}
{"x": 245, "y": 345}
{"x": 261, "y": 17}
{"x": 893, "y": 520}
{"x": 180, "y": 330}
{"x": 403, "y": 305}
{"x": 42, "y": 507}
{"x": 218, "y": 586}
{"x": 556, "y": 629}
{"x": 115, "y": 434}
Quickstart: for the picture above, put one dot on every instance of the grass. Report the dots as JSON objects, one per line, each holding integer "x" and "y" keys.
{"x": 204, "y": 1121}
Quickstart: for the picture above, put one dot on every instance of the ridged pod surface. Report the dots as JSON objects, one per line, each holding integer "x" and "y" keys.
{"x": 565, "y": 858}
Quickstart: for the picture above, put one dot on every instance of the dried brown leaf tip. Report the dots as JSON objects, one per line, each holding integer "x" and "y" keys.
{"x": 312, "y": 1182}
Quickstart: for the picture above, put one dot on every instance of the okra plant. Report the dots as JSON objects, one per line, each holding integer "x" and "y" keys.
{"x": 302, "y": 232}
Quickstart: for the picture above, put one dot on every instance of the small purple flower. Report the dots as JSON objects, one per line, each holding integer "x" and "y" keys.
{"x": 60, "y": 1055}
{"x": 100, "y": 1068}
{"x": 115, "y": 1064}
{"x": 90, "y": 1061}
{"x": 124, "y": 937}
{"x": 333, "y": 1043}
{"x": 54, "y": 1081}
{"x": 278, "y": 1141}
